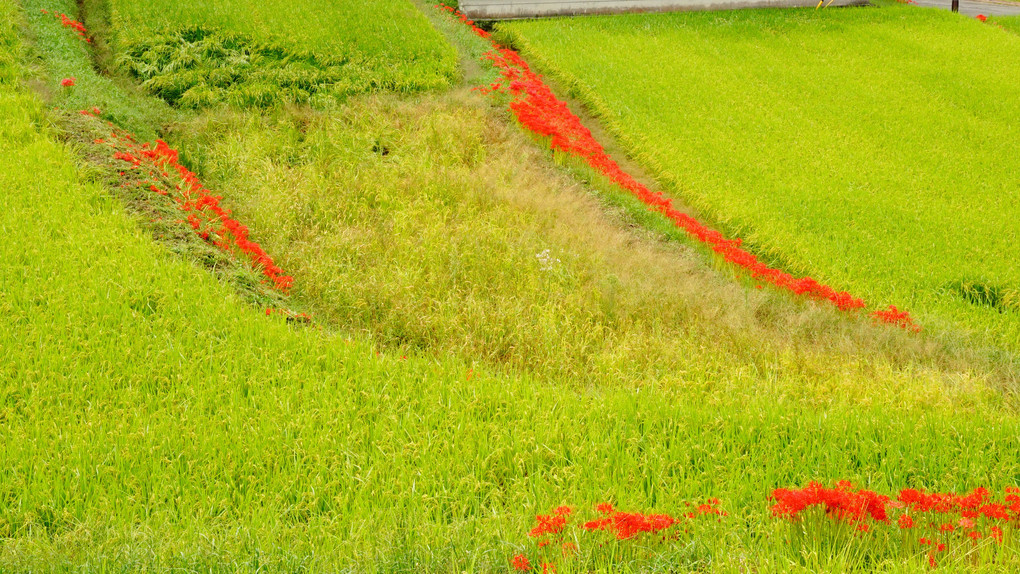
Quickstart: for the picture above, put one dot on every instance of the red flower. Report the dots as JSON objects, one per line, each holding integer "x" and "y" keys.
{"x": 521, "y": 563}
{"x": 924, "y": 542}
{"x": 604, "y": 508}
{"x": 947, "y": 527}
{"x": 67, "y": 82}
{"x": 905, "y": 521}
{"x": 982, "y": 17}
{"x": 563, "y": 510}
{"x": 548, "y": 524}
{"x": 974, "y": 534}
{"x": 996, "y": 533}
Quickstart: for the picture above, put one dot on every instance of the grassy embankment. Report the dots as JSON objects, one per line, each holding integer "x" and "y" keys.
{"x": 153, "y": 420}
{"x": 871, "y": 149}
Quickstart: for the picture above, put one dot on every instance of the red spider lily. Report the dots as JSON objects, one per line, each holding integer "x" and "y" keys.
{"x": 521, "y": 563}
{"x": 605, "y": 508}
{"x": 943, "y": 502}
{"x": 68, "y": 82}
{"x": 626, "y": 525}
{"x": 894, "y": 316}
{"x": 75, "y": 25}
{"x": 548, "y": 524}
{"x": 840, "y": 503}
{"x": 953, "y": 517}
{"x": 982, "y": 17}
{"x": 541, "y": 112}
{"x": 204, "y": 213}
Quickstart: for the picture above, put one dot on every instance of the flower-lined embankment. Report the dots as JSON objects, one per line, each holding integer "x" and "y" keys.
{"x": 539, "y": 110}
{"x": 161, "y": 172}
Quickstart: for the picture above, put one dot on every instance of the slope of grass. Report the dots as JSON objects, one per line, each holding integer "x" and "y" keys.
{"x": 869, "y": 148}
{"x": 342, "y": 47}
{"x": 432, "y": 226}
{"x": 150, "y": 420}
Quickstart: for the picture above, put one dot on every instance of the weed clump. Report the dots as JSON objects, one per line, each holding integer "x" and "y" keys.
{"x": 196, "y": 67}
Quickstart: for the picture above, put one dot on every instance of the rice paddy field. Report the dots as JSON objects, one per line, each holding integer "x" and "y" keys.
{"x": 492, "y": 359}
{"x": 352, "y": 46}
{"x": 872, "y": 149}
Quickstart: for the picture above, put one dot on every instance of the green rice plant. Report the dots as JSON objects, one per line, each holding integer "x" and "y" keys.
{"x": 279, "y": 52}
{"x": 869, "y": 148}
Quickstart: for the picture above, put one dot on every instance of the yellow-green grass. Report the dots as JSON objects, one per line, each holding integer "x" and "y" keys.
{"x": 382, "y": 44}
{"x": 1010, "y": 23}
{"x": 151, "y": 420}
{"x": 873, "y": 149}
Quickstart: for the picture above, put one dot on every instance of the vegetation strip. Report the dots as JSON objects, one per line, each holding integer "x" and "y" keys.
{"x": 164, "y": 175}
{"x": 540, "y": 111}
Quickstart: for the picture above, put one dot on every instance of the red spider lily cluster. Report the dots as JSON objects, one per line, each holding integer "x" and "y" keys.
{"x": 841, "y": 503}
{"x": 941, "y": 520}
{"x": 982, "y": 17}
{"x": 71, "y": 23}
{"x": 164, "y": 175}
{"x": 627, "y": 525}
{"x": 68, "y": 82}
{"x": 538, "y": 109}
{"x": 894, "y": 316}
{"x": 555, "y": 543}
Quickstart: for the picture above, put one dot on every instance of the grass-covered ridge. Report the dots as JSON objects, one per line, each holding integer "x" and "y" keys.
{"x": 256, "y": 54}
{"x": 861, "y": 146}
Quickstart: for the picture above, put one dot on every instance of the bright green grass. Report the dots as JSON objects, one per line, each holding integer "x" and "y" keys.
{"x": 1011, "y": 23}
{"x": 387, "y": 44}
{"x": 150, "y": 420}
{"x": 874, "y": 149}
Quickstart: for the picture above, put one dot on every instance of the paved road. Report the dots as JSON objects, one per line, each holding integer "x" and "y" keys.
{"x": 975, "y": 7}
